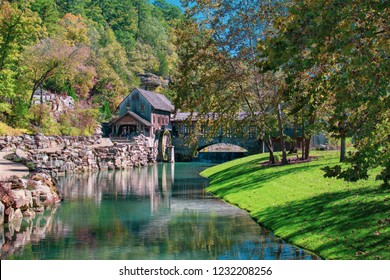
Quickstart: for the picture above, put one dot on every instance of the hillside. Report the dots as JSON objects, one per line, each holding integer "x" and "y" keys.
{"x": 93, "y": 51}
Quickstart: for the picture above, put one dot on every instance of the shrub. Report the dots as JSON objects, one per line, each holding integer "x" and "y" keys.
{"x": 7, "y": 130}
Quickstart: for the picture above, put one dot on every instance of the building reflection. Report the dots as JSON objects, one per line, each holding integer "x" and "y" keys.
{"x": 152, "y": 182}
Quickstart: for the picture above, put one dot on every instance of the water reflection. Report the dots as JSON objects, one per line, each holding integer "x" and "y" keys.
{"x": 20, "y": 233}
{"x": 155, "y": 212}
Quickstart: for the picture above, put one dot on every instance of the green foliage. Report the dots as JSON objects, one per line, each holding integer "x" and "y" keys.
{"x": 218, "y": 71}
{"x": 105, "y": 112}
{"x": 82, "y": 121}
{"x": 87, "y": 49}
{"x": 49, "y": 14}
{"x": 30, "y": 165}
{"x": 7, "y": 130}
{"x": 169, "y": 11}
{"x": 42, "y": 121}
{"x": 335, "y": 55}
{"x": 19, "y": 27}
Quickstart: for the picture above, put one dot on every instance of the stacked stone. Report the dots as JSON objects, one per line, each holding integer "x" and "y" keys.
{"x": 40, "y": 141}
{"x": 81, "y": 159}
{"x": 25, "y": 197}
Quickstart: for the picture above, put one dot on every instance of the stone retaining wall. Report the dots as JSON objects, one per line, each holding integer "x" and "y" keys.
{"x": 77, "y": 154}
{"x": 89, "y": 158}
{"x": 23, "y": 198}
{"x": 32, "y": 142}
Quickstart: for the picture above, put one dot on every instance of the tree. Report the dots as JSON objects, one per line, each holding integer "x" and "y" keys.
{"x": 87, "y": 49}
{"x": 74, "y": 30}
{"x": 143, "y": 58}
{"x": 49, "y": 14}
{"x": 232, "y": 30}
{"x": 169, "y": 11}
{"x": 342, "y": 49}
{"x": 19, "y": 27}
{"x": 52, "y": 57}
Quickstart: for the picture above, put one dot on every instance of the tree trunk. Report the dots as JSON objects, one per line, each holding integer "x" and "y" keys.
{"x": 307, "y": 147}
{"x": 308, "y": 137}
{"x": 35, "y": 87}
{"x": 342, "y": 148}
{"x": 303, "y": 140}
{"x": 281, "y": 134}
{"x": 293, "y": 147}
{"x": 39, "y": 82}
{"x": 270, "y": 147}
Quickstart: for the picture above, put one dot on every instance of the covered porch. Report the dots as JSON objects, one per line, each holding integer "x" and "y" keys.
{"x": 130, "y": 125}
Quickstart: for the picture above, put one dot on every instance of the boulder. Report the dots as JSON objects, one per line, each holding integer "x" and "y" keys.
{"x": 5, "y": 187}
{"x": 20, "y": 198}
{"x": 22, "y": 155}
{"x": 19, "y": 183}
{"x": 33, "y": 184}
{"x": 9, "y": 214}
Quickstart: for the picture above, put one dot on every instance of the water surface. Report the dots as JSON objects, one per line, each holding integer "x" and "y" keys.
{"x": 155, "y": 212}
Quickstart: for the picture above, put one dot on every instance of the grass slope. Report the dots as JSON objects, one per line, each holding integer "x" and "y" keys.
{"x": 333, "y": 218}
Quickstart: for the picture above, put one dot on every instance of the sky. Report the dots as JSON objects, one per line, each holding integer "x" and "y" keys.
{"x": 175, "y": 2}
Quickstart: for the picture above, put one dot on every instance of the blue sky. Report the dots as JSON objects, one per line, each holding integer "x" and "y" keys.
{"x": 175, "y": 2}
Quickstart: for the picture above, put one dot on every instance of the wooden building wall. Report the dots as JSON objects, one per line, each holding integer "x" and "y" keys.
{"x": 141, "y": 106}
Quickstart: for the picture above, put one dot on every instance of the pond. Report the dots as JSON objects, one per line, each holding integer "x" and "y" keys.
{"x": 155, "y": 212}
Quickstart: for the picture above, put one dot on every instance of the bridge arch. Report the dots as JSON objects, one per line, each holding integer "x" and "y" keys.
{"x": 221, "y": 147}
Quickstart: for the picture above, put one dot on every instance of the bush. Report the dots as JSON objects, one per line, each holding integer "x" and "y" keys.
{"x": 7, "y": 130}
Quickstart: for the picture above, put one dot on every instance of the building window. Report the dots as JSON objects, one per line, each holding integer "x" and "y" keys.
{"x": 142, "y": 108}
{"x": 135, "y": 96}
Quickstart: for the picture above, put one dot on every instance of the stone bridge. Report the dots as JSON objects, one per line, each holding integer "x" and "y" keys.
{"x": 186, "y": 147}
{"x": 185, "y": 151}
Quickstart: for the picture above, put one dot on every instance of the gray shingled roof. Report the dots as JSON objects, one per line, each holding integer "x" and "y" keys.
{"x": 158, "y": 101}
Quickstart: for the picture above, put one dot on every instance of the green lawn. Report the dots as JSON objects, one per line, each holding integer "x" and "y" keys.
{"x": 333, "y": 218}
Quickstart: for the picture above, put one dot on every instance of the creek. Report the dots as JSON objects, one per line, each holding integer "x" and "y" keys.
{"x": 156, "y": 212}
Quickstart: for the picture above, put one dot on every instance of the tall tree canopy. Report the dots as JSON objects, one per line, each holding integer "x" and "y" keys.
{"x": 335, "y": 54}
{"x": 218, "y": 69}
{"x": 92, "y": 50}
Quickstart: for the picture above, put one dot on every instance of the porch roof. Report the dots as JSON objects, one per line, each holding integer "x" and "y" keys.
{"x": 132, "y": 115}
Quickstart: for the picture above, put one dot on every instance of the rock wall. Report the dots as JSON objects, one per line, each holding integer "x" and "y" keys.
{"x": 40, "y": 141}
{"x": 84, "y": 158}
{"x": 23, "y": 198}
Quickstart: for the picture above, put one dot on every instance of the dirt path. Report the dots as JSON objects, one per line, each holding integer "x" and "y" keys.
{"x": 9, "y": 168}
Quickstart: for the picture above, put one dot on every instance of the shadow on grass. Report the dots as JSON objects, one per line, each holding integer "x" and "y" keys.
{"x": 250, "y": 178}
{"x": 351, "y": 224}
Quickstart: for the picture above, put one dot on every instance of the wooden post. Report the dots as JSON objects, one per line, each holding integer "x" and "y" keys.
{"x": 171, "y": 154}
